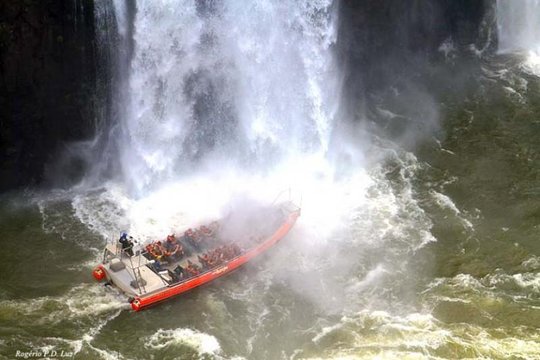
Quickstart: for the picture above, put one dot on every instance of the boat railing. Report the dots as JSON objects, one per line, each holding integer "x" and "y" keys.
{"x": 137, "y": 272}
{"x": 287, "y": 203}
{"x": 118, "y": 252}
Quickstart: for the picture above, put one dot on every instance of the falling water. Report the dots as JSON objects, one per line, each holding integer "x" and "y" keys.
{"x": 519, "y": 29}
{"x": 255, "y": 80}
{"x": 518, "y": 24}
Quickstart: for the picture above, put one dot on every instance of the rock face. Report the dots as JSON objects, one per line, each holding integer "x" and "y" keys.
{"x": 378, "y": 40}
{"x": 401, "y": 58}
{"x": 48, "y": 67}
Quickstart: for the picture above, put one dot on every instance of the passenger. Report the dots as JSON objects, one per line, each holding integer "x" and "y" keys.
{"x": 203, "y": 260}
{"x": 198, "y": 238}
{"x": 159, "y": 248}
{"x": 207, "y": 234}
{"x": 173, "y": 249}
{"x": 217, "y": 256}
{"x": 213, "y": 227}
{"x": 194, "y": 238}
{"x": 156, "y": 250}
{"x": 157, "y": 266}
{"x": 179, "y": 272}
{"x": 193, "y": 269}
{"x": 205, "y": 230}
{"x": 127, "y": 243}
{"x": 150, "y": 251}
{"x": 156, "y": 263}
{"x": 227, "y": 253}
{"x": 188, "y": 236}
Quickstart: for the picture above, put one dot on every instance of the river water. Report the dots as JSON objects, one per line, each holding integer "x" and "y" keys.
{"x": 428, "y": 251}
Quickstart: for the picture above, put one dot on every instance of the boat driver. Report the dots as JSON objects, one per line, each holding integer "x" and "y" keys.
{"x": 127, "y": 243}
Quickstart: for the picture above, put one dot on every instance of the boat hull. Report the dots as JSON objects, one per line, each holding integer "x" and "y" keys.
{"x": 140, "y": 302}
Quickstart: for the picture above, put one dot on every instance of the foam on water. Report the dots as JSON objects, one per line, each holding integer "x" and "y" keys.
{"x": 361, "y": 210}
{"x": 393, "y": 211}
{"x": 493, "y": 285}
{"x": 358, "y": 286}
{"x": 532, "y": 64}
{"x": 528, "y": 282}
{"x": 382, "y": 335}
{"x": 445, "y": 202}
{"x": 82, "y": 312}
{"x": 78, "y": 345}
{"x": 79, "y": 302}
{"x": 203, "y": 343}
{"x": 95, "y": 208}
{"x": 531, "y": 264}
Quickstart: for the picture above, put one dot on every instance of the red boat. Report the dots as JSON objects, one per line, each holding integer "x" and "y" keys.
{"x": 151, "y": 273}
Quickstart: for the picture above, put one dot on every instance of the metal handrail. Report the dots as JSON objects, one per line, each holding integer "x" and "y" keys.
{"x": 134, "y": 276}
{"x": 279, "y": 195}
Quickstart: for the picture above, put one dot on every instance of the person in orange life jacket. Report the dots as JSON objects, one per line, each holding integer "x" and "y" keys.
{"x": 157, "y": 250}
{"x": 173, "y": 249}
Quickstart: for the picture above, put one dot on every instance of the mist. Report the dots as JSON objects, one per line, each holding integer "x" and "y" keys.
{"x": 229, "y": 104}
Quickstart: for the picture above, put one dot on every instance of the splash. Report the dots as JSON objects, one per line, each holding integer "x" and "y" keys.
{"x": 518, "y": 25}
{"x": 519, "y": 30}
{"x": 229, "y": 100}
{"x": 308, "y": 181}
{"x": 532, "y": 64}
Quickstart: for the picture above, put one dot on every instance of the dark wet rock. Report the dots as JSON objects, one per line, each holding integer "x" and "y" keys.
{"x": 400, "y": 55}
{"x": 381, "y": 40}
{"x": 47, "y": 83}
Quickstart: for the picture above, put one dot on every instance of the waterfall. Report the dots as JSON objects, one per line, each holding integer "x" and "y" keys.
{"x": 518, "y": 25}
{"x": 244, "y": 81}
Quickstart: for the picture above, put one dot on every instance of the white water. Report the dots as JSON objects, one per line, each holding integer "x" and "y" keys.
{"x": 204, "y": 344}
{"x": 241, "y": 81}
{"x": 519, "y": 29}
{"x": 240, "y": 99}
{"x": 363, "y": 208}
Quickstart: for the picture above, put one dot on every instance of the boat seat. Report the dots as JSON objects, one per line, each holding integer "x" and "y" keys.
{"x": 165, "y": 275}
{"x": 135, "y": 284}
{"x": 117, "y": 265}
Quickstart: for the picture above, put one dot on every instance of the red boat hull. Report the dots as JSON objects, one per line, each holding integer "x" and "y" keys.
{"x": 141, "y": 302}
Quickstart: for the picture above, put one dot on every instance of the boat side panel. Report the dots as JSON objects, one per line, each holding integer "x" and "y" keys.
{"x": 150, "y": 299}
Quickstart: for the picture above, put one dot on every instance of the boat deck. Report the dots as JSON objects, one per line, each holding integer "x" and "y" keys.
{"x": 140, "y": 274}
